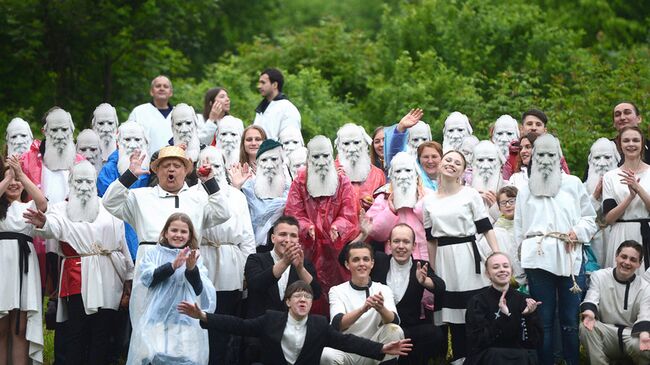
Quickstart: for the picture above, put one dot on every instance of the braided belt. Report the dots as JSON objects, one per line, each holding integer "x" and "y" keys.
{"x": 565, "y": 239}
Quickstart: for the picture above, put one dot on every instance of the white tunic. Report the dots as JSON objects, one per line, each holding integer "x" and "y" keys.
{"x": 519, "y": 179}
{"x": 225, "y": 247}
{"x": 570, "y": 209}
{"x": 157, "y": 128}
{"x": 29, "y": 299}
{"x": 455, "y": 216}
{"x": 621, "y": 231}
{"x": 279, "y": 115}
{"x": 105, "y": 259}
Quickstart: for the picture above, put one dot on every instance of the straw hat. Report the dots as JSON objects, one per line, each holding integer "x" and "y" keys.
{"x": 172, "y": 152}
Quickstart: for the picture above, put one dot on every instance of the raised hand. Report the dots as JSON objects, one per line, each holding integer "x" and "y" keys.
{"x": 190, "y": 261}
{"x": 297, "y": 257}
{"x": 503, "y": 305}
{"x": 400, "y": 347}
{"x": 365, "y": 223}
{"x": 35, "y": 217}
{"x": 531, "y": 306}
{"x": 216, "y": 112}
{"x": 489, "y": 197}
{"x": 16, "y": 169}
{"x": 180, "y": 258}
{"x": 628, "y": 177}
{"x": 192, "y": 310}
{"x": 239, "y": 174}
{"x": 410, "y": 119}
{"x": 421, "y": 272}
{"x": 135, "y": 163}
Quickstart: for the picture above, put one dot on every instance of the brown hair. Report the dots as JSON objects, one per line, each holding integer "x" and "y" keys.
{"x": 631, "y": 244}
{"x": 374, "y": 158}
{"x": 429, "y": 144}
{"x": 297, "y": 286}
{"x": 631, "y": 128}
{"x": 509, "y": 190}
{"x": 243, "y": 157}
{"x": 208, "y": 100}
{"x": 178, "y": 216}
{"x": 531, "y": 137}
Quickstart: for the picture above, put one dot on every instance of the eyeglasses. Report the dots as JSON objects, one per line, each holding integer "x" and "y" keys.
{"x": 302, "y": 295}
{"x": 505, "y": 203}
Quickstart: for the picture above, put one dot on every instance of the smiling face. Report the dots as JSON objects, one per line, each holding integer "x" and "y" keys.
{"x": 177, "y": 234}
{"x": 14, "y": 190}
{"x": 628, "y": 260}
{"x": 299, "y": 304}
{"x": 284, "y": 235}
{"x": 498, "y": 270}
{"x": 533, "y": 124}
{"x": 625, "y": 115}
{"x": 526, "y": 151}
{"x": 631, "y": 144}
{"x": 171, "y": 174}
{"x": 452, "y": 165}
{"x": 402, "y": 240}
{"x": 161, "y": 89}
{"x": 252, "y": 141}
{"x": 360, "y": 263}
{"x": 222, "y": 97}
{"x": 378, "y": 143}
{"x": 430, "y": 161}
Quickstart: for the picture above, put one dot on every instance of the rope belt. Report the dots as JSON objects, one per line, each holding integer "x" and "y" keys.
{"x": 645, "y": 236}
{"x": 23, "y": 263}
{"x": 97, "y": 250}
{"x": 447, "y": 241}
{"x": 216, "y": 244}
{"x": 565, "y": 239}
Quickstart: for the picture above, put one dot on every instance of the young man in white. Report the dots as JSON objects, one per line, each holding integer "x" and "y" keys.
{"x": 275, "y": 112}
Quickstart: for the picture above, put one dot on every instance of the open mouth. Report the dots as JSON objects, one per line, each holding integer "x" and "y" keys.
{"x": 171, "y": 178}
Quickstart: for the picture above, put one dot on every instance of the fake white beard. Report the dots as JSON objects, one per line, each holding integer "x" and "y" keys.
{"x": 124, "y": 160}
{"x": 448, "y": 144}
{"x": 486, "y": 181}
{"x": 405, "y": 196}
{"x": 540, "y": 185}
{"x": 357, "y": 169}
{"x": 191, "y": 141}
{"x": 594, "y": 174}
{"x": 96, "y": 161}
{"x": 267, "y": 187}
{"x": 411, "y": 149}
{"x": 108, "y": 145}
{"x": 56, "y": 161}
{"x": 83, "y": 209}
{"x": 503, "y": 146}
{"x": 231, "y": 154}
{"x": 17, "y": 149}
{"x": 322, "y": 185}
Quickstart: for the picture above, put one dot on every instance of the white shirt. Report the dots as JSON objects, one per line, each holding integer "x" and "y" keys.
{"x": 570, "y": 209}
{"x": 157, "y": 128}
{"x": 398, "y": 278}
{"x": 236, "y": 241}
{"x": 284, "y": 278}
{"x": 293, "y": 338}
{"x": 277, "y": 116}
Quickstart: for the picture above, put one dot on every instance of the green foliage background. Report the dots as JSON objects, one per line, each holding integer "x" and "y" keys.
{"x": 354, "y": 60}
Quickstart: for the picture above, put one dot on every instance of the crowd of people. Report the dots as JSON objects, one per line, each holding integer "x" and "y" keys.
{"x": 184, "y": 238}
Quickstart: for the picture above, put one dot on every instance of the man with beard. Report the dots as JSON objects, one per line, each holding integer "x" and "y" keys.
{"x": 603, "y": 157}
{"x": 266, "y": 193}
{"x": 225, "y": 248}
{"x": 467, "y": 149}
{"x": 296, "y": 160}
{"x": 105, "y": 125}
{"x": 228, "y": 139}
{"x": 88, "y": 145}
{"x": 131, "y": 138}
{"x": 553, "y": 217}
{"x": 96, "y": 271}
{"x": 399, "y": 202}
{"x": 506, "y": 130}
{"x": 324, "y": 203}
{"x": 456, "y": 128}
{"x": 291, "y": 139}
{"x": 275, "y": 112}
{"x": 184, "y": 130}
{"x": 155, "y": 116}
{"x": 486, "y": 174}
{"x": 352, "y": 144}
{"x": 18, "y": 137}
{"x": 418, "y": 134}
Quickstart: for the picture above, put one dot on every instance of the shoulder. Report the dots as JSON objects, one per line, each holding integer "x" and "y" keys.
{"x": 612, "y": 174}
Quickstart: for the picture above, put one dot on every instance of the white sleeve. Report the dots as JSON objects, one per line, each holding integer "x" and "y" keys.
{"x": 586, "y": 226}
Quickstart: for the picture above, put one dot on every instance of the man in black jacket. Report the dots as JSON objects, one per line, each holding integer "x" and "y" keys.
{"x": 408, "y": 278}
{"x": 296, "y": 337}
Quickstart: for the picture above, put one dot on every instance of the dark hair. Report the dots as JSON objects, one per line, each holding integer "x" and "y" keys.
{"x": 286, "y": 219}
{"x": 536, "y": 113}
{"x": 274, "y": 76}
{"x": 429, "y": 144}
{"x": 208, "y": 100}
{"x": 461, "y": 156}
{"x": 390, "y": 237}
{"x": 531, "y": 137}
{"x": 636, "y": 108}
{"x": 296, "y": 287}
{"x": 357, "y": 245}
{"x": 243, "y": 157}
{"x": 192, "y": 242}
{"x": 4, "y": 201}
{"x": 631, "y": 128}
{"x": 509, "y": 190}
{"x": 376, "y": 160}
{"x": 631, "y": 244}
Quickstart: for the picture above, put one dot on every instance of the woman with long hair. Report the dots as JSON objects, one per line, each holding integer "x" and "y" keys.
{"x": 216, "y": 107}
{"x": 520, "y": 176}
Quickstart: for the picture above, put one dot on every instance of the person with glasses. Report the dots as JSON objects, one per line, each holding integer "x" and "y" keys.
{"x": 504, "y": 230}
{"x": 296, "y": 337}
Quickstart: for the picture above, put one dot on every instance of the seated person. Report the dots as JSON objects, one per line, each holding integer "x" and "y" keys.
{"x": 362, "y": 307}
{"x": 616, "y": 311}
{"x": 295, "y": 337}
{"x": 407, "y": 278}
{"x": 503, "y": 326}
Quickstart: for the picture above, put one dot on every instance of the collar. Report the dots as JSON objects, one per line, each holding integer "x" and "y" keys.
{"x": 621, "y": 281}
{"x": 497, "y": 293}
{"x": 401, "y": 267}
{"x": 261, "y": 107}
{"x": 360, "y": 288}
{"x": 164, "y": 194}
{"x": 275, "y": 257}
{"x": 503, "y": 222}
{"x": 294, "y": 322}
{"x": 169, "y": 105}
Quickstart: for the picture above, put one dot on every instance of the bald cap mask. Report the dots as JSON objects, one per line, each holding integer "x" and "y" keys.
{"x": 131, "y": 137}
{"x": 88, "y": 145}
{"x": 83, "y": 203}
{"x": 506, "y": 130}
{"x": 229, "y": 134}
{"x": 291, "y": 138}
{"x": 184, "y": 130}
{"x": 352, "y": 143}
{"x": 59, "y": 143}
{"x": 18, "y": 137}
{"x": 105, "y": 125}
{"x": 322, "y": 178}
{"x": 456, "y": 128}
{"x": 546, "y": 173}
{"x": 418, "y": 134}
{"x": 214, "y": 157}
{"x": 404, "y": 180}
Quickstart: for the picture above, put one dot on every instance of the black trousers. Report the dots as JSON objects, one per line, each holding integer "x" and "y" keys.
{"x": 227, "y": 303}
{"x": 86, "y": 336}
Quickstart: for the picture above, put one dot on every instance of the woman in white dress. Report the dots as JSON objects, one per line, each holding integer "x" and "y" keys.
{"x": 520, "y": 176}
{"x": 453, "y": 216}
{"x": 20, "y": 287}
{"x": 626, "y": 198}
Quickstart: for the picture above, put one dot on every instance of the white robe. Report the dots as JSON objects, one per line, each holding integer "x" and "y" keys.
{"x": 29, "y": 299}
{"x": 105, "y": 259}
{"x": 279, "y": 115}
{"x": 570, "y": 209}
{"x": 157, "y": 128}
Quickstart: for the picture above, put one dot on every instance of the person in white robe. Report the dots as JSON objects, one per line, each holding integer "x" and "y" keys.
{"x": 616, "y": 311}
{"x": 21, "y": 317}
